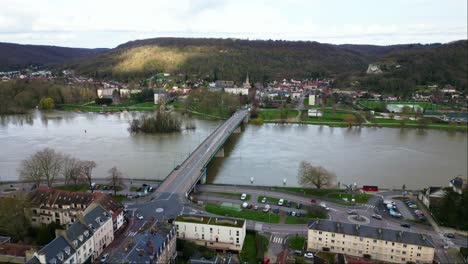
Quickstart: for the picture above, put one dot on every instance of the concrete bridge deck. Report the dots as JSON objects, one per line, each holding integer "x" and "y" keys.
{"x": 182, "y": 180}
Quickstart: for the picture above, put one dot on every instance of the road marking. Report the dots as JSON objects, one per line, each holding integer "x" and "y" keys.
{"x": 278, "y": 240}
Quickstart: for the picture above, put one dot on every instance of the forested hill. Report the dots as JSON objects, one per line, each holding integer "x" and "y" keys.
{"x": 231, "y": 59}
{"x": 17, "y": 56}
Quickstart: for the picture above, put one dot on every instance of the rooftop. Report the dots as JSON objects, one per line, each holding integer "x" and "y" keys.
{"x": 371, "y": 232}
{"x": 221, "y": 221}
{"x": 56, "y": 251}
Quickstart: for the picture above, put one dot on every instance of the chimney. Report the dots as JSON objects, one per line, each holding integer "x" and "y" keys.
{"x": 379, "y": 230}
{"x": 400, "y": 234}
{"x": 216, "y": 220}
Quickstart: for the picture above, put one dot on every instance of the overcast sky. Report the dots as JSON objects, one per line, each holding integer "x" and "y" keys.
{"x": 108, "y": 23}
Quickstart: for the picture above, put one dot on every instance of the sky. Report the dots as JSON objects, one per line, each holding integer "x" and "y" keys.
{"x": 108, "y": 23}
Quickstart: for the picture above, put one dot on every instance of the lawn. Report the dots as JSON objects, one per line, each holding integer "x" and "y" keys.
{"x": 119, "y": 198}
{"x": 310, "y": 191}
{"x": 254, "y": 248}
{"x": 145, "y": 104}
{"x": 134, "y": 188}
{"x": 360, "y": 197}
{"x": 296, "y": 243}
{"x": 379, "y": 105}
{"x": 294, "y": 220}
{"x": 246, "y": 214}
{"x": 238, "y": 195}
{"x": 73, "y": 188}
{"x": 273, "y": 114}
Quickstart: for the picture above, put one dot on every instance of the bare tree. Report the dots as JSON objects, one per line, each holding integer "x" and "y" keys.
{"x": 115, "y": 178}
{"x": 87, "y": 167}
{"x": 72, "y": 170}
{"x": 43, "y": 166}
{"x": 315, "y": 176}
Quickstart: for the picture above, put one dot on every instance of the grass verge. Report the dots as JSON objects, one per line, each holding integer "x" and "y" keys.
{"x": 246, "y": 214}
{"x": 73, "y": 188}
{"x": 359, "y": 198}
{"x": 296, "y": 243}
{"x": 238, "y": 195}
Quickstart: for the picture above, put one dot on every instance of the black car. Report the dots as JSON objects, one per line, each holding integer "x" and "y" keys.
{"x": 298, "y": 206}
{"x": 405, "y": 225}
{"x": 139, "y": 189}
{"x": 289, "y": 213}
{"x": 450, "y": 235}
{"x": 144, "y": 185}
{"x": 105, "y": 187}
{"x": 276, "y": 210}
{"x": 288, "y": 204}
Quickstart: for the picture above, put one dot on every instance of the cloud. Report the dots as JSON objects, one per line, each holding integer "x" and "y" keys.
{"x": 90, "y": 23}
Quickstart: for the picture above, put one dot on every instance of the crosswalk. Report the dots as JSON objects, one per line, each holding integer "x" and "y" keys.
{"x": 131, "y": 233}
{"x": 277, "y": 240}
{"x": 369, "y": 206}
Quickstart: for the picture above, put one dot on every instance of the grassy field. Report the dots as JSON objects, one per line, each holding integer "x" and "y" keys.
{"x": 119, "y": 198}
{"x": 98, "y": 109}
{"x": 274, "y": 114}
{"x": 73, "y": 188}
{"x": 246, "y": 214}
{"x": 296, "y": 243}
{"x": 360, "y": 198}
{"x": 238, "y": 195}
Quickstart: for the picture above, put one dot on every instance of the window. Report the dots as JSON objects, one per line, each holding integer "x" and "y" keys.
{"x": 195, "y": 228}
{"x": 404, "y": 245}
{"x": 332, "y": 247}
{"x": 320, "y": 232}
{"x": 375, "y": 241}
{"x": 333, "y": 241}
{"x": 320, "y": 239}
{"x": 403, "y": 252}
{"x": 419, "y": 248}
{"x": 177, "y": 227}
{"x": 203, "y": 236}
{"x": 418, "y": 255}
{"x": 229, "y": 231}
{"x": 211, "y": 230}
{"x": 344, "y": 235}
{"x": 361, "y": 239}
{"x": 237, "y": 232}
{"x": 402, "y": 259}
{"x": 333, "y": 235}
{"x": 393, "y": 243}
{"x": 342, "y": 249}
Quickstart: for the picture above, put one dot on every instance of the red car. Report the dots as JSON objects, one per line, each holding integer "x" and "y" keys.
{"x": 249, "y": 206}
{"x": 313, "y": 201}
{"x": 266, "y": 261}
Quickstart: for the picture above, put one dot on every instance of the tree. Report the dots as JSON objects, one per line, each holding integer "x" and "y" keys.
{"x": 14, "y": 221}
{"x": 87, "y": 167}
{"x": 315, "y": 176}
{"x": 350, "y": 119}
{"x": 115, "y": 179}
{"x": 46, "y": 103}
{"x": 43, "y": 166}
{"x": 72, "y": 170}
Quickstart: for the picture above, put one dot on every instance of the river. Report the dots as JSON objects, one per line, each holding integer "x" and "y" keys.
{"x": 269, "y": 153}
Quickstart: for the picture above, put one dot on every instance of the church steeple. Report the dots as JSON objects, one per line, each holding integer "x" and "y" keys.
{"x": 247, "y": 82}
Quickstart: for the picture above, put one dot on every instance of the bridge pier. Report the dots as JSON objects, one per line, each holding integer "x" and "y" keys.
{"x": 238, "y": 130}
{"x": 203, "y": 176}
{"x": 220, "y": 153}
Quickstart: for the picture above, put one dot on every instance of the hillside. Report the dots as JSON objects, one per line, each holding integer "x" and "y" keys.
{"x": 17, "y": 56}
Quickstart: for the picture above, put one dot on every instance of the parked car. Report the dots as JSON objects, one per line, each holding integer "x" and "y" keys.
{"x": 313, "y": 201}
{"x": 104, "y": 257}
{"x": 297, "y": 252}
{"x": 299, "y": 214}
{"x": 139, "y": 217}
{"x": 309, "y": 255}
{"x": 450, "y": 235}
{"x": 288, "y": 204}
{"x": 376, "y": 216}
{"x": 293, "y": 213}
{"x": 280, "y": 202}
{"x": 264, "y": 200}
{"x": 255, "y": 207}
{"x": 244, "y": 205}
{"x": 249, "y": 206}
{"x": 243, "y": 196}
{"x": 266, "y": 208}
{"x": 276, "y": 210}
{"x": 139, "y": 189}
{"x": 413, "y": 206}
{"x": 405, "y": 225}
{"x": 289, "y": 212}
{"x": 352, "y": 212}
{"x": 144, "y": 185}
{"x": 298, "y": 206}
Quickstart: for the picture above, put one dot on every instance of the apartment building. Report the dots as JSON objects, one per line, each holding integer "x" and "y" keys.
{"x": 50, "y": 205}
{"x": 369, "y": 242}
{"x": 99, "y": 221}
{"x": 58, "y": 251}
{"x": 81, "y": 239}
{"x": 212, "y": 232}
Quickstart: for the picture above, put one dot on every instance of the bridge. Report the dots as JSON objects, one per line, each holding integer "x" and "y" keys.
{"x": 185, "y": 176}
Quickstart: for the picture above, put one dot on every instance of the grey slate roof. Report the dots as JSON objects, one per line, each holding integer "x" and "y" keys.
{"x": 371, "y": 232}
{"x": 78, "y": 232}
{"x": 55, "y": 249}
{"x": 96, "y": 217}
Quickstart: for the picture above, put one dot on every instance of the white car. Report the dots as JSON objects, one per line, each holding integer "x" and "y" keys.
{"x": 281, "y": 202}
{"x": 244, "y": 205}
{"x": 264, "y": 200}
{"x": 243, "y": 196}
{"x": 104, "y": 257}
{"x": 309, "y": 255}
{"x": 325, "y": 206}
{"x": 139, "y": 217}
{"x": 267, "y": 208}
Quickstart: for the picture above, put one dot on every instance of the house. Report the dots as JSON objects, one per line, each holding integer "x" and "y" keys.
{"x": 15, "y": 253}
{"x": 159, "y": 97}
{"x": 106, "y": 92}
{"x": 459, "y": 184}
{"x": 81, "y": 239}
{"x": 223, "y": 84}
{"x": 58, "y": 251}
{"x": 369, "y": 242}
{"x": 159, "y": 246}
{"x": 213, "y": 232}
{"x": 99, "y": 221}
{"x": 432, "y": 196}
{"x": 314, "y": 113}
{"x": 50, "y": 205}
{"x": 312, "y": 99}
{"x": 237, "y": 90}
{"x": 125, "y": 92}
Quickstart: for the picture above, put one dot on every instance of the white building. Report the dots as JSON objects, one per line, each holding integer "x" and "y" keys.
{"x": 81, "y": 239}
{"x": 314, "y": 113}
{"x": 99, "y": 221}
{"x": 237, "y": 90}
{"x": 369, "y": 242}
{"x": 105, "y": 92}
{"x": 312, "y": 99}
{"x": 159, "y": 97}
{"x": 212, "y": 232}
{"x": 127, "y": 92}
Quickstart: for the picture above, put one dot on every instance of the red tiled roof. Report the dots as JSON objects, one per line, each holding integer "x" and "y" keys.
{"x": 12, "y": 249}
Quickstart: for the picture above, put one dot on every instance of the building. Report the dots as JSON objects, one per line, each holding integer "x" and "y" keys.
{"x": 459, "y": 184}
{"x": 15, "y": 253}
{"x": 314, "y": 113}
{"x": 432, "y": 196}
{"x": 212, "y": 232}
{"x": 158, "y": 247}
{"x": 312, "y": 100}
{"x": 125, "y": 93}
{"x": 81, "y": 239}
{"x": 237, "y": 90}
{"x": 369, "y": 242}
{"x": 159, "y": 97}
{"x": 99, "y": 221}
{"x": 58, "y": 251}
{"x": 106, "y": 92}
{"x": 50, "y": 205}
